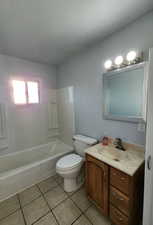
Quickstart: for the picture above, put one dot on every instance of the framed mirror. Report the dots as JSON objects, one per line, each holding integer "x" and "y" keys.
{"x": 125, "y": 93}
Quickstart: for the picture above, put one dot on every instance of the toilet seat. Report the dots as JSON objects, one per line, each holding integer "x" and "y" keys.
{"x": 69, "y": 162}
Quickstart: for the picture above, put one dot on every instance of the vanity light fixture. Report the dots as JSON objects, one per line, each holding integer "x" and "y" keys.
{"x": 131, "y": 56}
{"x": 119, "y": 60}
{"x": 108, "y": 64}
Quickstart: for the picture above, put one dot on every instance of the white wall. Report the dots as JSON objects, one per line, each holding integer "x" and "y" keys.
{"x": 26, "y": 126}
{"x": 84, "y": 72}
{"x": 65, "y": 100}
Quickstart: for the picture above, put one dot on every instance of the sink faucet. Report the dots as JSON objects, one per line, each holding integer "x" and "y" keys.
{"x": 118, "y": 144}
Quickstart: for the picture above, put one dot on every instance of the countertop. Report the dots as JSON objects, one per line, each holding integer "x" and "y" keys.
{"x": 127, "y": 161}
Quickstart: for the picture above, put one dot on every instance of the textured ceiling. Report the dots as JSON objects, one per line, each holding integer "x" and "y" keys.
{"x": 48, "y": 31}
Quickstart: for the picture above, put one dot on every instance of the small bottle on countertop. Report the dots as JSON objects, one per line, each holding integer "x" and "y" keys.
{"x": 105, "y": 141}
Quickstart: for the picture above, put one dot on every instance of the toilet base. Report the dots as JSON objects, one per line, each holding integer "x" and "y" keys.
{"x": 72, "y": 184}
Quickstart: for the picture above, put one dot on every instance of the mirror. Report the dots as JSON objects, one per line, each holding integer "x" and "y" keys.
{"x": 125, "y": 93}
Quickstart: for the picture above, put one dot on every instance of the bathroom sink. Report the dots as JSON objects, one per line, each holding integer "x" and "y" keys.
{"x": 113, "y": 153}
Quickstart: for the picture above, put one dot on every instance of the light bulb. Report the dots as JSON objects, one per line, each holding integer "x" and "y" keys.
{"x": 108, "y": 64}
{"x": 119, "y": 60}
{"x": 131, "y": 56}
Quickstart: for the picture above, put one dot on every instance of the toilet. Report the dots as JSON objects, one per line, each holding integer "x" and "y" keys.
{"x": 69, "y": 166}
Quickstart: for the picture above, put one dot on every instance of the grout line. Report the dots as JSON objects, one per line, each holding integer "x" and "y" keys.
{"x": 49, "y": 207}
{"x": 31, "y": 201}
{"x": 10, "y": 214}
{"x": 76, "y": 205}
{"x": 48, "y": 190}
{"x": 61, "y": 185}
{"x": 77, "y": 218}
{"x": 87, "y": 209}
{"x": 60, "y": 201}
{"x": 21, "y": 209}
{"x": 12, "y": 211}
{"x": 41, "y": 194}
{"x": 87, "y": 217}
{"x": 40, "y": 218}
{"x": 55, "y": 218}
{"x": 69, "y": 197}
{"x": 83, "y": 212}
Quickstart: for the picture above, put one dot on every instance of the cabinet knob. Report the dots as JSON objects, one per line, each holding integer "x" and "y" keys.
{"x": 117, "y": 197}
{"x": 120, "y": 219}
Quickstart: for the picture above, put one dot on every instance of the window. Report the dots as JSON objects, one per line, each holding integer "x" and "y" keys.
{"x": 33, "y": 92}
{"x": 25, "y": 92}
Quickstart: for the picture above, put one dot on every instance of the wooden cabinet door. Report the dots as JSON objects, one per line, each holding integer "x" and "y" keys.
{"x": 97, "y": 183}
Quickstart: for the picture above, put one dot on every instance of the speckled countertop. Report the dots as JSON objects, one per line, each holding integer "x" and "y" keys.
{"x": 126, "y": 161}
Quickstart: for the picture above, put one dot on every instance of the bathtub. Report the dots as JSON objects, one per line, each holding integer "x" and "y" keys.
{"x": 23, "y": 169}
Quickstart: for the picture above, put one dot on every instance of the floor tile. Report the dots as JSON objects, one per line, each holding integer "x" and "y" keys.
{"x": 55, "y": 196}
{"x": 35, "y": 210}
{"x": 66, "y": 212}
{"x": 9, "y": 206}
{"x": 29, "y": 195}
{"x": 72, "y": 193}
{"x": 59, "y": 179}
{"x": 81, "y": 199}
{"x": 47, "y": 185}
{"x": 96, "y": 217}
{"x": 82, "y": 221}
{"x": 47, "y": 220}
{"x": 14, "y": 219}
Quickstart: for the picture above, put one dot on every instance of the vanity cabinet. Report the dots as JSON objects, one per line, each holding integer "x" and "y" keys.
{"x": 115, "y": 193}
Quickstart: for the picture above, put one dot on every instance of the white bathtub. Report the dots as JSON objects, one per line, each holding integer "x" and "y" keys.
{"x": 21, "y": 170}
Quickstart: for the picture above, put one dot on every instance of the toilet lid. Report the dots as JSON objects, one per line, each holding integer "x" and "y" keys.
{"x": 69, "y": 161}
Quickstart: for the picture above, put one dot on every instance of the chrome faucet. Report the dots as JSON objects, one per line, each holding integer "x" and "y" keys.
{"x": 118, "y": 144}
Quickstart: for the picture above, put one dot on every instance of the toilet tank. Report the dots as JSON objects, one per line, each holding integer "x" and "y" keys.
{"x": 81, "y": 143}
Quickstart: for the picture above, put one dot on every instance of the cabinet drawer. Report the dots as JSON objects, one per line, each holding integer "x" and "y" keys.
{"x": 119, "y": 200}
{"x": 120, "y": 180}
{"x": 117, "y": 217}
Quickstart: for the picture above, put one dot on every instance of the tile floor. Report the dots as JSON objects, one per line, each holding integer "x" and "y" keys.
{"x": 47, "y": 204}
